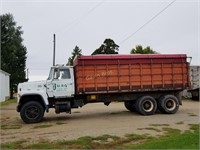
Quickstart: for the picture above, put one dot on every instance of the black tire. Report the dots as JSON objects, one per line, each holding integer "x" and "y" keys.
{"x": 32, "y": 112}
{"x": 130, "y": 105}
{"x": 168, "y": 104}
{"x": 146, "y": 105}
{"x": 195, "y": 98}
{"x": 195, "y": 95}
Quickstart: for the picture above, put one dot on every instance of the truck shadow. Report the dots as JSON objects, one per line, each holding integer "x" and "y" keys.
{"x": 93, "y": 116}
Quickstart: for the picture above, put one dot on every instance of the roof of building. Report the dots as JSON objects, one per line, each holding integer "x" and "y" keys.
{"x": 4, "y": 72}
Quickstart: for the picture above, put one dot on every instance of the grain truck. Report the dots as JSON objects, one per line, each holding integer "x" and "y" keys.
{"x": 145, "y": 83}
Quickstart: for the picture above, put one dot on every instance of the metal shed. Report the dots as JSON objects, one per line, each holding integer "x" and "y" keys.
{"x": 4, "y": 85}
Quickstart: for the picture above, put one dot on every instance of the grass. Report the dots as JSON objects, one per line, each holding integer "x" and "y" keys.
{"x": 194, "y": 127}
{"x": 86, "y": 142}
{"x": 13, "y": 145}
{"x": 150, "y": 128}
{"x": 42, "y": 126}
{"x": 157, "y": 125}
{"x": 10, "y": 126}
{"x": 59, "y": 123}
{"x": 172, "y": 139}
{"x": 105, "y": 138}
{"x": 192, "y": 114}
{"x": 102, "y": 142}
{"x": 41, "y": 145}
{"x": 7, "y": 102}
{"x": 136, "y": 137}
{"x": 180, "y": 122}
{"x": 170, "y": 131}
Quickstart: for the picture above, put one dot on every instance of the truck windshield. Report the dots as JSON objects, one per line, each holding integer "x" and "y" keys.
{"x": 51, "y": 74}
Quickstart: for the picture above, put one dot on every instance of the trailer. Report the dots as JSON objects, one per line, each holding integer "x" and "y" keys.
{"x": 144, "y": 83}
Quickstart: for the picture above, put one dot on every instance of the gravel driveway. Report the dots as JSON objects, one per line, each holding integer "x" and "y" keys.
{"x": 94, "y": 120}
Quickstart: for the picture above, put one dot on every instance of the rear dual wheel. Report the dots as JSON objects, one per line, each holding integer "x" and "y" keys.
{"x": 168, "y": 104}
{"x": 145, "y": 105}
{"x": 130, "y": 105}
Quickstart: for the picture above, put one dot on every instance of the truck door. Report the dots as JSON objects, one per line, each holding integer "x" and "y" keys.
{"x": 62, "y": 83}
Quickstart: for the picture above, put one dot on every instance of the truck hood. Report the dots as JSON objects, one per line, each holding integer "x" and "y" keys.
{"x": 32, "y": 87}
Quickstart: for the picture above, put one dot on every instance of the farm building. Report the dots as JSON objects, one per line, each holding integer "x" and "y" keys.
{"x": 4, "y": 85}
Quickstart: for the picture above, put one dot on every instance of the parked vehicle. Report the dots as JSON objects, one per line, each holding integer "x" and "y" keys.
{"x": 144, "y": 83}
{"x": 194, "y": 76}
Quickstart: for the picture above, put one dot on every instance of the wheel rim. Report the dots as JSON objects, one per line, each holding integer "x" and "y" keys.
{"x": 32, "y": 112}
{"x": 170, "y": 104}
{"x": 148, "y": 106}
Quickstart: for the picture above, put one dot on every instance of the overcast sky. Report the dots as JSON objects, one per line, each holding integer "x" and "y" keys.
{"x": 87, "y": 23}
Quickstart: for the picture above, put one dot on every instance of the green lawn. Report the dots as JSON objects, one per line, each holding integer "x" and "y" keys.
{"x": 7, "y": 102}
{"x": 173, "y": 139}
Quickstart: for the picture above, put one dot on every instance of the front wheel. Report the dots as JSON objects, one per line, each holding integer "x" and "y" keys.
{"x": 146, "y": 105}
{"x": 32, "y": 112}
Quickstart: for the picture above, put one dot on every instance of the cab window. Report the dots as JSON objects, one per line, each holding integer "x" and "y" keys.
{"x": 64, "y": 74}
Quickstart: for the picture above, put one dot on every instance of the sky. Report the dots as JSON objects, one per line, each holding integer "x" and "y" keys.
{"x": 167, "y": 26}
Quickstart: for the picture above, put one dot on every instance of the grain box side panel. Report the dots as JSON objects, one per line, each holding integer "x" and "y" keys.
{"x": 96, "y": 78}
{"x": 111, "y": 75}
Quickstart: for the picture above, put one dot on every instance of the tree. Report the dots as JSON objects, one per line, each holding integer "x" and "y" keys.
{"x": 139, "y": 50}
{"x": 108, "y": 47}
{"x": 13, "y": 52}
{"x": 76, "y": 52}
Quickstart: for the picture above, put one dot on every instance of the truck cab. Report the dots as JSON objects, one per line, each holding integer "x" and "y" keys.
{"x": 36, "y": 97}
{"x": 60, "y": 83}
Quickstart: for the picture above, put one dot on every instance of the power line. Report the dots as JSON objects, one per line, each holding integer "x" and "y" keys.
{"x": 150, "y": 20}
{"x": 78, "y": 19}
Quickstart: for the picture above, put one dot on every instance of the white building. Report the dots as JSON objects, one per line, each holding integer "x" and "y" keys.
{"x": 4, "y": 85}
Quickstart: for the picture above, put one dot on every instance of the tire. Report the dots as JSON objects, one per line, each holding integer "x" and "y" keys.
{"x": 195, "y": 94}
{"x": 32, "y": 112}
{"x": 195, "y": 98}
{"x": 168, "y": 104}
{"x": 130, "y": 105}
{"x": 146, "y": 105}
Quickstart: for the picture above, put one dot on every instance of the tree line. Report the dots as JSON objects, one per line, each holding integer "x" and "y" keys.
{"x": 14, "y": 52}
{"x": 110, "y": 47}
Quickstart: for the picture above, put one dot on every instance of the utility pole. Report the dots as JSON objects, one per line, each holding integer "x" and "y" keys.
{"x": 27, "y": 73}
{"x": 54, "y": 48}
